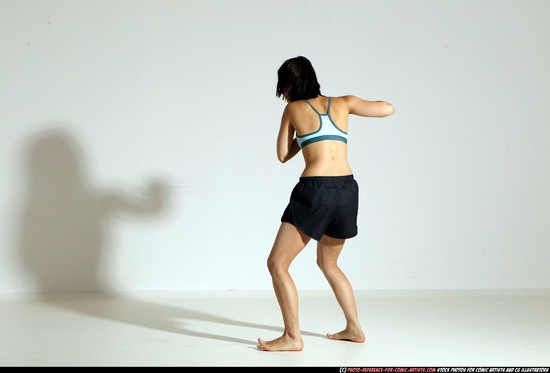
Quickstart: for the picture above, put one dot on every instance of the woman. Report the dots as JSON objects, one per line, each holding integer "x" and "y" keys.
{"x": 324, "y": 203}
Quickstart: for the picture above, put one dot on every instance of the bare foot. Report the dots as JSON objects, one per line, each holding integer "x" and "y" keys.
{"x": 283, "y": 343}
{"x": 348, "y": 335}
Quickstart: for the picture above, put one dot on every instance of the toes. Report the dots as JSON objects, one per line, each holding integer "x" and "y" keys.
{"x": 262, "y": 345}
{"x": 344, "y": 336}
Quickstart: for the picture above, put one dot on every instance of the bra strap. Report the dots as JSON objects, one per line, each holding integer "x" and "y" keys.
{"x": 313, "y": 107}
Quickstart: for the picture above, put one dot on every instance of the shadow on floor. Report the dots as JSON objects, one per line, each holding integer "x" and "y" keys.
{"x": 147, "y": 314}
{"x": 64, "y": 231}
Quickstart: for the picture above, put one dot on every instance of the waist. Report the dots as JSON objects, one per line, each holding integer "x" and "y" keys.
{"x": 322, "y": 169}
{"x": 327, "y": 180}
{"x": 326, "y": 158}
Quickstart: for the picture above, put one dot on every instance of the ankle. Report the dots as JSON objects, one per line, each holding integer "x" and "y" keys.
{"x": 353, "y": 327}
{"x": 292, "y": 334}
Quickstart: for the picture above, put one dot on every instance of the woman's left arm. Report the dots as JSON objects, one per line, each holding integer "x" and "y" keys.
{"x": 287, "y": 146}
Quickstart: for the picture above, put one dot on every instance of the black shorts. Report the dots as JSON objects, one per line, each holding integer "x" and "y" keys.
{"x": 324, "y": 205}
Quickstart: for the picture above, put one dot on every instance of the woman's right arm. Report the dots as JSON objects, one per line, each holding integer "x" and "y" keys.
{"x": 287, "y": 145}
{"x": 364, "y": 108}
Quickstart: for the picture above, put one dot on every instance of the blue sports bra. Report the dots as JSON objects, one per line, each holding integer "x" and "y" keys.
{"x": 327, "y": 130}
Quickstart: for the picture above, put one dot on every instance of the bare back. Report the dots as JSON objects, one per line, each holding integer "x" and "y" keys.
{"x": 327, "y": 157}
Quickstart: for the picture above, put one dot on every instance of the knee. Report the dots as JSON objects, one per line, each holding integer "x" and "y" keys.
{"x": 325, "y": 265}
{"x": 275, "y": 266}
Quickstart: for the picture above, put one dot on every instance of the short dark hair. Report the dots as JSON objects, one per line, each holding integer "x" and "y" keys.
{"x": 297, "y": 80}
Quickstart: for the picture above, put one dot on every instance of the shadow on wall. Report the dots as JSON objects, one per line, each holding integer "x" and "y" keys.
{"x": 65, "y": 220}
{"x": 63, "y": 233}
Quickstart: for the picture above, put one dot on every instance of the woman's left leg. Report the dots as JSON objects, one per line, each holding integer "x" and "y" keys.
{"x": 288, "y": 244}
{"x": 328, "y": 251}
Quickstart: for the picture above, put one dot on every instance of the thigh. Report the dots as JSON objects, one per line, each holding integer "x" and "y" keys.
{"x": 288, "y": 244}
{"x": 328, "y": 250}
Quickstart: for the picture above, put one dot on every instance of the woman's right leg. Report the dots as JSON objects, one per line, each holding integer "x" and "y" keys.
{"x": 288, "y": 244}
{"x": 328, "y": 250}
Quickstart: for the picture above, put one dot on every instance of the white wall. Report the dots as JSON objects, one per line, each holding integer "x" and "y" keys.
{"x": 137, "y": 147}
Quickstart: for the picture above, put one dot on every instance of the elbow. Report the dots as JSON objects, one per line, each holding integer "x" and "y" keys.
{"x": 284, "y": 155}
{"x": 389, "y": 110}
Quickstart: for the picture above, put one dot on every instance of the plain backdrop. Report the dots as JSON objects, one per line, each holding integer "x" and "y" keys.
{"x": 137, "y": 145}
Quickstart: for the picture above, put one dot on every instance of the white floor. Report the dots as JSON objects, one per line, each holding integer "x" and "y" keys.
{"x": 415, "y": 328}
